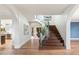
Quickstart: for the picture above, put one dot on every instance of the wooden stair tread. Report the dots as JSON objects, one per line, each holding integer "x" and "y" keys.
{"x": 56, "y": 43}
{"x": 52, "y": 44}
{"x": 51, "y": 47}
{"x": 54, "y": 40}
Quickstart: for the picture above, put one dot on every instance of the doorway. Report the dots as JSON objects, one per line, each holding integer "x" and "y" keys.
{"x": 6, "y": 33}
{"x": 74, "y": 35}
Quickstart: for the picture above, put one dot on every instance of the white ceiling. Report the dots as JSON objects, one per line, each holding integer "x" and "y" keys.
{"x": 5, "y": 12}
{"x": 34, "y": 9}
{"x": 76, "y": 14}
{"x": 42, "y": 9}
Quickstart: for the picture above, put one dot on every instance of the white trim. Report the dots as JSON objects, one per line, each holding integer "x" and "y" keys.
{"x": 67, "y": 42}
{"x": 74, "y": 38}
{"x": 20, "y": 45}
{"x": 75, "y": 20}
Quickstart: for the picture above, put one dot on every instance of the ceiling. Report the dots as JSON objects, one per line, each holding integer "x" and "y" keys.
{"x": 42, "y": 9}
{"x": 29, "y": 10}
{"x": 76, "y": 14}
{"x": 4, "y": 12}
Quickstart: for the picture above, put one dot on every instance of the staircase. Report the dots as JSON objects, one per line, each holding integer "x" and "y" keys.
{"x": 54, "y": 30}
{"x": 54, "y": 40}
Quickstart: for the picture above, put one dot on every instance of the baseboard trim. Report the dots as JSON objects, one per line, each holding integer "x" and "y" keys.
{"x": 20, "y": 45}
{"x": 74, "y": 38}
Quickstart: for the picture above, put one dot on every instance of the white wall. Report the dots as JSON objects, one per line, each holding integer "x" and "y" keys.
{"x": 69, "y": 13}
{"x": 18, "y": 37}
{"x": 52, "y": 20}
{"x": 15, "y": 33}
{"x": 67, "y": 41}
{"x": 23, "y": 38}
{"x": 60, "y": 23}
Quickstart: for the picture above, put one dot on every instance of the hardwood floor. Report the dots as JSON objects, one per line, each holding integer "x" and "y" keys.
{"x": 31, "y": 48}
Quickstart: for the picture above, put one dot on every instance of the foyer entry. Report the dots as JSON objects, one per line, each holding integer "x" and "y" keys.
{"x": 51, "y": 42}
